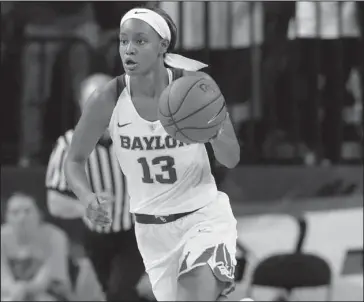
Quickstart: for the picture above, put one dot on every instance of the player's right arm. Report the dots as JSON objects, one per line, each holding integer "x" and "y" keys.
{"x": 94, "y": 121}
{"x": 61, "y": 201}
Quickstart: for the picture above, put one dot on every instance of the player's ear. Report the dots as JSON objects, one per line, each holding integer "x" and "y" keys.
{"x": 164, "y": 46}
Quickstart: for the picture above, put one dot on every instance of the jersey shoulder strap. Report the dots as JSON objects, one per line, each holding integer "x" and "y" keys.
{"x": 177, "y": 73}
{"x": 120, "y": 85}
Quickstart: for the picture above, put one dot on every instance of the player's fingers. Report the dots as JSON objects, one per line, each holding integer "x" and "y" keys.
{"x": 102, "y": 221}
{"x": 93, "y": 209}
{"x": 98, "y": 215}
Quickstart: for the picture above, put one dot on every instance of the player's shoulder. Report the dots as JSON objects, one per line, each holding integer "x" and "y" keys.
{"x": 197, "y": 74}
{"x": 110, "y": 91}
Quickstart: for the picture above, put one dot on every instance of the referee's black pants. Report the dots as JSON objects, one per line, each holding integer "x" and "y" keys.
{"x": 117, "y": 263}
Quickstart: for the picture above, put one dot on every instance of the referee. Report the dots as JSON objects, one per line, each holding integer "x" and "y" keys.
{"x": 113, "y": 249}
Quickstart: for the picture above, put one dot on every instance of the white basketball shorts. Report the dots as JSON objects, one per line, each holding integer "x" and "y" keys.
{"x": 207, "y": 236}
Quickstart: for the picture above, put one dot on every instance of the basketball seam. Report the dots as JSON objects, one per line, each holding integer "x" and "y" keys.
{"x": 174, "y": 123}
{"x": 196, "y": 111}
{"x": 222, "y": 107}
{"x": 188, "y": 91}
{"x": 198, "y": 128}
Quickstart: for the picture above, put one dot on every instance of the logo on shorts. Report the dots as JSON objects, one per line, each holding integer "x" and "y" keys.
{"x": 225, "y": 271}
{"x": 224, "y": 268}
{"x": 161, "y": 218}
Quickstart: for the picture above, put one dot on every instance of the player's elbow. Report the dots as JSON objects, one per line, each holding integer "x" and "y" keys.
{"x": 233, "y": 160}
{"x": 72, "y": 159}
{"x": 229, "y": 160}
{"x": 227, "y": 154}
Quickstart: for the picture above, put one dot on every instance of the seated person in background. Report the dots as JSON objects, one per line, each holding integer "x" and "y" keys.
{"x": 34, "y": 255}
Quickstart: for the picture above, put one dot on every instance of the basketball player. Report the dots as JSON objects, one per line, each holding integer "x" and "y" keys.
{"x": 185, "y": 227}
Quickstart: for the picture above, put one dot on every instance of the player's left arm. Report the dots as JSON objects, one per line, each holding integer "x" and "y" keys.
{"x": 225, "y": 145}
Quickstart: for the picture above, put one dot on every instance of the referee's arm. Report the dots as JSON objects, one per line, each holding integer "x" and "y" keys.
{"x": 61, "y": 200}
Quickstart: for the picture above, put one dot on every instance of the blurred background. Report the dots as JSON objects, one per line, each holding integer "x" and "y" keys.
{"x": 292, "y": 76}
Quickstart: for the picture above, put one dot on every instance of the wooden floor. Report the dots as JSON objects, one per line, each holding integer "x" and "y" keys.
{"x": 296, "y": 207}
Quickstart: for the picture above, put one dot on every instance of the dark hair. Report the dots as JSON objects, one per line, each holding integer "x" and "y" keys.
{"x": 172, "y": 26}
{"x": 21, "y": 194}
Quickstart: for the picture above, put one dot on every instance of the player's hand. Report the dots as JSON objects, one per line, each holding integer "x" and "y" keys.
{"x": 98, "y": 211}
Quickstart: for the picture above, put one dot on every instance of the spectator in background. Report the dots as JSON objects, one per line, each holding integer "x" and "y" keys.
{"x": 10, "y": 82}
{"x": 6, "y": 8}
{"x": 44, "y": 19}
{"x": 326, "y": 48}
{"x": 276, "y": 101}
{"x": 62, "y": 110}
{"x": 34, "y": 255}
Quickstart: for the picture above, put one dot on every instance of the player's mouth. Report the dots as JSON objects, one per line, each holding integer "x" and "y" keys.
{"x": 130, "y": 64}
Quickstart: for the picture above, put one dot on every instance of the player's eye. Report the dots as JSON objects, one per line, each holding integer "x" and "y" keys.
{"x": 123, "y": 42}
{"x": 141, "y": 41}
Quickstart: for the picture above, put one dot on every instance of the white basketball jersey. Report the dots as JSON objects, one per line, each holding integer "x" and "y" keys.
{"x": 164, "y": 176}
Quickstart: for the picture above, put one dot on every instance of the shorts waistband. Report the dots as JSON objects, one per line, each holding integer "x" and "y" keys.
{"x": 157, "y": 219}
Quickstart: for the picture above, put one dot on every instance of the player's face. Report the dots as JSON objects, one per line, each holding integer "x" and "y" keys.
{"x": 22, "y": 213}
{"x": 140, "y": 47}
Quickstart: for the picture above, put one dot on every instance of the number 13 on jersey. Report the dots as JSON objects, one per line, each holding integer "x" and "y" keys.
{"x": 166, "y": 164}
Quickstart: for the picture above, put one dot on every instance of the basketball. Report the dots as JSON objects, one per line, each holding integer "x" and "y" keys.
{"x": 191, "y": 109}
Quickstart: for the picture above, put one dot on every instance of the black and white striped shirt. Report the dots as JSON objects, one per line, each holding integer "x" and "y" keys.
{"x": 104, "y": 174}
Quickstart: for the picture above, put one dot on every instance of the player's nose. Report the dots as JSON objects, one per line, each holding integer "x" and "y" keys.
{"x": 130, "y": 49}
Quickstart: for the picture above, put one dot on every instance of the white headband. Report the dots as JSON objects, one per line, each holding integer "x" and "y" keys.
{"x": 160, "y": 25}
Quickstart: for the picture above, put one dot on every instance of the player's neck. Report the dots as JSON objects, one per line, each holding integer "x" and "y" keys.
{"x": 152, "y": 83}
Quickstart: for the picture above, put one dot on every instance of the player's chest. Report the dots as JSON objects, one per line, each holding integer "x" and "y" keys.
{"x": 146, "y": 108}
{"x": 140, "y": 139}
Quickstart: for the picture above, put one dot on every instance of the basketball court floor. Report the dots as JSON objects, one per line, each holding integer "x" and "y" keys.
{"x": 334, "y": 232}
